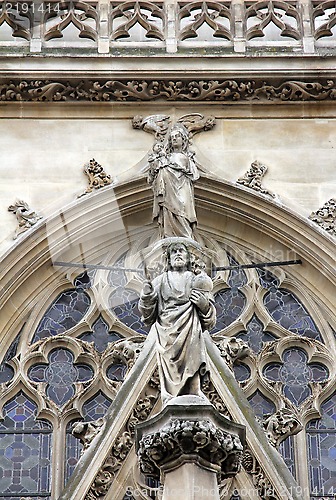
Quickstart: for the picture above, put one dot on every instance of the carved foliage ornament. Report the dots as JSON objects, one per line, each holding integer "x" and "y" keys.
{"x": 325, "y": 216}
{"x": 97, "y": 177}
{"x": 185, "y": 437}
{"x": 26, "y": 217}
{"x": 253, "y": 177}
{"x": 167, "y": 90}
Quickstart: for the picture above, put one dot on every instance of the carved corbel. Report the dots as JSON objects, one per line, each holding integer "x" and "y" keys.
{"x": 280, "y": 425}
{"x": 232, "y": 349}
{"x": 87, "y": 431}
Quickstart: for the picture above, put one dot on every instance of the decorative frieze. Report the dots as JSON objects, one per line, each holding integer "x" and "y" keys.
{"x": 325, "y": 216}
{"x": 230, "y": 91}
{"x": 26, "y": 217}
{"x": 253, "y": 178}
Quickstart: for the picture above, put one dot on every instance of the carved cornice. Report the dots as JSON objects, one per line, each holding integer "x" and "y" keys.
{"x": 126, "y": 90}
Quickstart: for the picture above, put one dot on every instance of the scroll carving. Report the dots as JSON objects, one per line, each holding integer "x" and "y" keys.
{"x": 260, "y": 481}
{"x": 97, "y": 177}
{"x": 325, "y": 216}
{"x": 26, "y": 217}
{"x": 253, "y": 178}
{"x": 167, "y": 90}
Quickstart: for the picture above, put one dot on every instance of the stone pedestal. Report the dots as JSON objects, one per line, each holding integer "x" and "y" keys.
{"x": 189, "y": 446}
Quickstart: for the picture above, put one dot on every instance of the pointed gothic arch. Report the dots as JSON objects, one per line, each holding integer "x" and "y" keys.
{"x": 105, "y": 225}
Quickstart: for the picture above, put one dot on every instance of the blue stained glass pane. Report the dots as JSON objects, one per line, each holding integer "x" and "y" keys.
{"x": 267, "y": 279}
{"x": 295, "y": 374}
{"x": 328, "y": 419}
{"x": 85, "y": 280}
{"x": 96, "y": 407}
{"x": 286, "y": 449}
{"x": 237, "y": 277}
{"x": 24, "y": 457}
{"x": 124, "y": 304}
{"x": 241, "y": 372}
{"x": 118, "y": 278}
{"x": 116, "y": 372}
{"x": 100, "y": 335}
{"x": 67, "y": 310}
{"x": 19, "y": 414}
{"x": 255, "y": 336}
{"x": 73, "y": 452}
{"x": 60, "y": 375}
{"x": 6, "y": 371}
{"x": 229, "y": 303}
{"x": 287, "y": 310}
{"x": 93, "y": 409}
{"x": 261, "y": 405}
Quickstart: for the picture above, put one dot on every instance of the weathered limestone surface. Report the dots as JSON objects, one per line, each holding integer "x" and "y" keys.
{"x": 43, "y": 159}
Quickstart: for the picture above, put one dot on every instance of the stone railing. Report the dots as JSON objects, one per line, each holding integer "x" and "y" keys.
{"x": 161, "y": 27}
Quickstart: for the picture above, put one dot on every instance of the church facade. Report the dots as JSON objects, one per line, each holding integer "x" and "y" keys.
{"x": 88, "y": 89}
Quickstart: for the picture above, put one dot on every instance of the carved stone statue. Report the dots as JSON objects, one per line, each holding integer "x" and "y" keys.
{"x": 172, "y": 172}
{"x": 179, "y": 306}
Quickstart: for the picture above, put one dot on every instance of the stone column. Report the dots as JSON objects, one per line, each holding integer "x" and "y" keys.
{"x": 189, "y": 446}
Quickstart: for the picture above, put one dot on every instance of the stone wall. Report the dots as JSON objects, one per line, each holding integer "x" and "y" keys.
{"x": 44, "y": 147}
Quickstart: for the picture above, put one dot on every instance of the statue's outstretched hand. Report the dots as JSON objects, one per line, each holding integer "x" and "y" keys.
{"x": 147, "y": 288}
{"x": 200, "y": 300}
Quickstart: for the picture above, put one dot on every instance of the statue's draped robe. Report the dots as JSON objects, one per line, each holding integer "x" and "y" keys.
{"x": 174, "y": 206}
{"x": 178, "y": 325}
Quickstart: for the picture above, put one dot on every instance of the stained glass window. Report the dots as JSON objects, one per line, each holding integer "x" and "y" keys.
{"x": 287, "y": 310}
{"x": 321, "y": 443}
{"x": 25, "y": 450}
{"x": 94, "y": 408}
{"x": 286, "y": 449}
{"x": 6, "y": 371}
{"x": 267, "y": 279}
{"x": 116, "y": 372}
{"x": 100, "y": 335}
{"x": 241, "y": 372}
{"x": 60, "y": 375}
{"x": 124, "y": 304}
{"x": 295, "y": 374}
{"x": 67, "y": 310}
{"x": 237, "y": 277}
{"x": 261, "y": 405}
{"x": 85, "y": 280}
{"x": 118, "y": 278}
{"x": 230, "y": 303}
{"x": 255, "y": 335}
